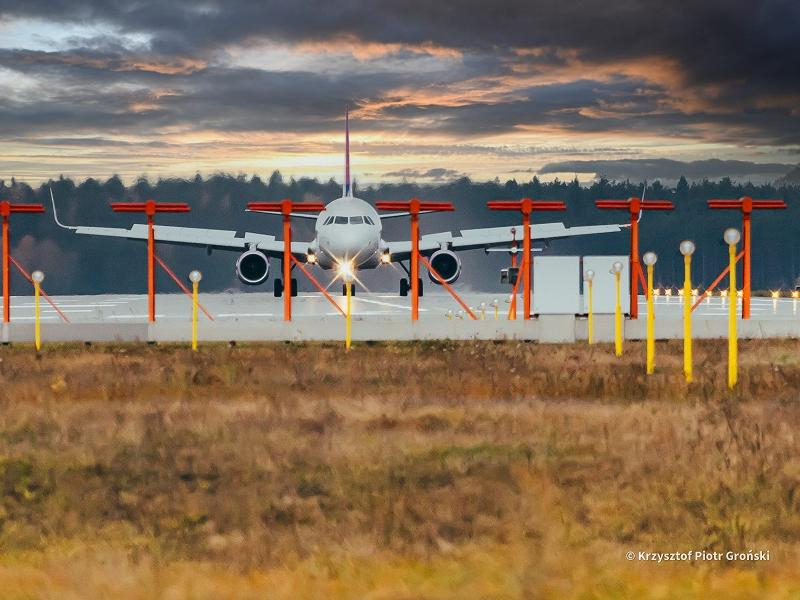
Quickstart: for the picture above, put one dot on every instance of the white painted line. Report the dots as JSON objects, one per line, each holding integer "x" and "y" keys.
{"x": 389, "y": 304}
{"x": 244, "y": 314}
{"x": 134, "y": 316}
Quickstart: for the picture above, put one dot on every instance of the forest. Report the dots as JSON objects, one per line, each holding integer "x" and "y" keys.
{"x": 75, "y": 264}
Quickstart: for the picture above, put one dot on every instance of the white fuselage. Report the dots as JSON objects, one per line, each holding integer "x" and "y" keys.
{"x": 348, "y": 231}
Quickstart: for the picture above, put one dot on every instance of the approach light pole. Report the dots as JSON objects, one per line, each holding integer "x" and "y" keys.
{"x": 38, "y": 278}
{"x": 687, "y": 248}
{"x": 732, "y": 237}
{"x": 6, "y": 210}
{"x": 616, "y": 270}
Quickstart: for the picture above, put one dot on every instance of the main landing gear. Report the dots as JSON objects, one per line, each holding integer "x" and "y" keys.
{"x": 405, "y": 284}
{"x": 279, "y": 288}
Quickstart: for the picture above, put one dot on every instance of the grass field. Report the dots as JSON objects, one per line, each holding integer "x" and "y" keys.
{"x": 442, "y": 470}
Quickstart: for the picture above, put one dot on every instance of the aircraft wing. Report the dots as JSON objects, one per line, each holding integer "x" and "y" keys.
{"x": 194, "y": 236}
{"x": 488, "y": 237}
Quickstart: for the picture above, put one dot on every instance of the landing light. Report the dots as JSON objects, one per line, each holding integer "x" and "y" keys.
{"x": 776, "y": 294}
{"x": 311, "y": 258}
{"x": 346, "y": 271}
{"x": 386, "y": 258}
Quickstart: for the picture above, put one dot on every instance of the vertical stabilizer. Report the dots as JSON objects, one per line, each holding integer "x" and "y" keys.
{"x": 348, "y": 190}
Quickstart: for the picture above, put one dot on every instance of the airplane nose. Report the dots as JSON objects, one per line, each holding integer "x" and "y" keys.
{"x": 355, "y": 244}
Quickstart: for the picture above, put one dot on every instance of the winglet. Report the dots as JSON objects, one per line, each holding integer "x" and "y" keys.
{"x": 55, "y": 214}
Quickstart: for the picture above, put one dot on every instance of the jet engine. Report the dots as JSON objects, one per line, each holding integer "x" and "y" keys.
{"x": 252, "y": 267}
{"x": 447, "y": 265}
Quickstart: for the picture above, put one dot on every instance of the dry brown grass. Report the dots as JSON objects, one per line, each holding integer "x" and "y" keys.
{"x": 395, "y": 471}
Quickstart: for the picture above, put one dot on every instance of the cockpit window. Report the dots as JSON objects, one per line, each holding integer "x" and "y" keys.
{"x": 368, "y": 220}
{"x": 341, "y": 220}
{"x": 328, "y": 221}
{"x": 356, "y": 220}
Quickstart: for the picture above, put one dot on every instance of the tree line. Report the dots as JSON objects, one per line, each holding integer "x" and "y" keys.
{"x": 87, "y": 265}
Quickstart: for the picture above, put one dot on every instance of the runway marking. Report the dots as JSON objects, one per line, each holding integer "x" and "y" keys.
{"x": 54, "y": 318}
{"x": 136, "y": 316}
{"x": 245, "y": 314}
{"x": 401, "y": 306}
{"x": 50, "y": 310}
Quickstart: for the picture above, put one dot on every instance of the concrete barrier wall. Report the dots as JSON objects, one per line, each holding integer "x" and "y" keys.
{"x": 545, "y": 329}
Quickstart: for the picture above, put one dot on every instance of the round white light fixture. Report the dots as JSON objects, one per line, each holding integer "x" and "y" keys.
{"x": 687, "y": 247}
{"x": 588, "y": 275}
{"x": 37, "y": 276}
{"x": 649, "y": 258}
{"x": 195, "y": 276}
{"x": 616, "y": 267}
{"x": 731, "y": 236}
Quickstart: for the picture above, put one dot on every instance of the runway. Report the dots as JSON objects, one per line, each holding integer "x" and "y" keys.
{"x": 115, "y": 308}
{"x": 376, "y": 317}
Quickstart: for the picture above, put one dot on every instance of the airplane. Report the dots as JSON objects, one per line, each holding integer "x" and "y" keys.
{"x": 347, "y": 238}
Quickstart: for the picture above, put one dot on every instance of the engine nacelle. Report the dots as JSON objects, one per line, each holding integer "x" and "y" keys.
{"x": 252, "y": 267}
{"x": 447, "y": 265}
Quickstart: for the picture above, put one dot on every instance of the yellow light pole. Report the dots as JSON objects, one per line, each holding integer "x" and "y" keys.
{"x": 483, "y": 310}
{"x": 649, "y": 259}
{"x": 687, "y": 248}
{"x": 496, "y": 305}
{"x": 348, "y": 286}
{"x": 732, "y": 237}
{"x": 38, "y": 278}
{"x": 616, "y": 270}
{"x": 588, "y": 277}
{"x": 195, "y": 277}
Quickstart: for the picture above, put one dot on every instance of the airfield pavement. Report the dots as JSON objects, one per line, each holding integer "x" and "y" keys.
{"x": 376, "y": 316}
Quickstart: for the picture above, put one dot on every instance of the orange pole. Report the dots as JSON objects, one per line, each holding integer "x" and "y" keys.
{"x": 318, "y": 286}
{"x": 414, "y": 265}
{"x": 27, "y": 276}
{"x": 6, "y": 273}
{"x": 634, "y": 262}
{"x": 526, "y": 272}
{"x": 287, "y": 268}
{"x": 512, "y": 311}
{"x": 746, "y": 266}
{"x": 716, "y": 281}
{"x": 151, "y": 270}
{"x": 183, "y": 288}
{"x": 453, "y": 293}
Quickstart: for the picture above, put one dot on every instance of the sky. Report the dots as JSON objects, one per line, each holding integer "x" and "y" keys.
{"x": 636, "y": 89}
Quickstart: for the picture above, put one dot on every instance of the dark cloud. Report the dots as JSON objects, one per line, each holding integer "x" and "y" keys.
{"x": 661, "y": 168}
{"x": 436, "y": 174}
{"x": 713, "y": 71}
{"x": 714, "y": 40}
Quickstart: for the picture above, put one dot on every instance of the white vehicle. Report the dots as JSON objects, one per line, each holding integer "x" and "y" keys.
{"x": 347, "y": 238}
